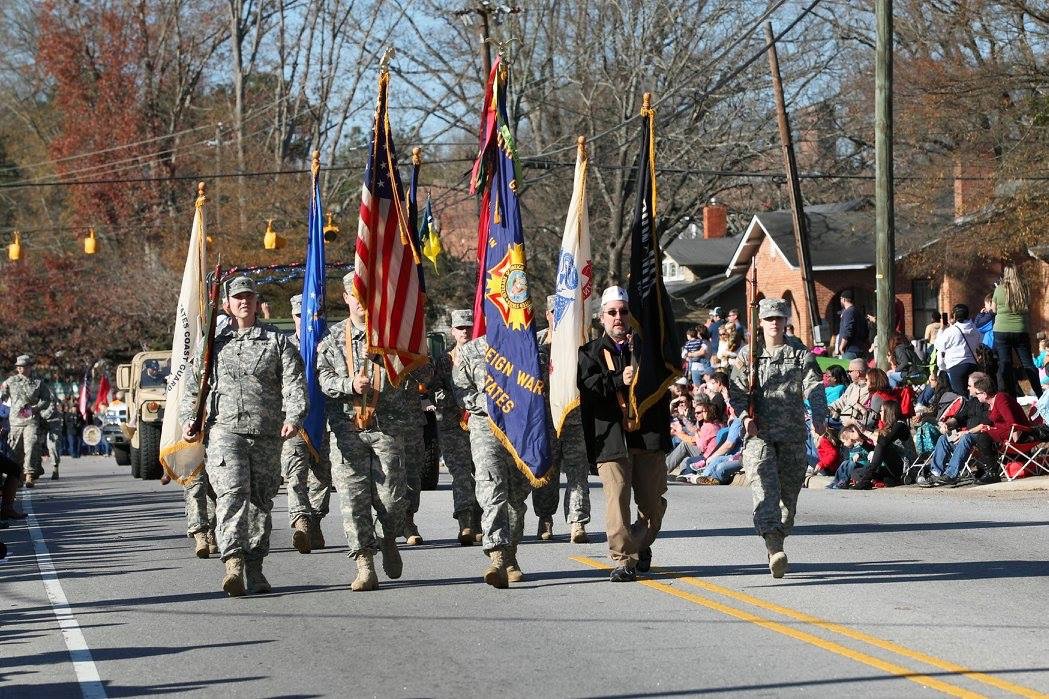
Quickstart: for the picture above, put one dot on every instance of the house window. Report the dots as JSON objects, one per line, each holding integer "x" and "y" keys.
{"x": 925, "y": 300}
{"x": 671, "y": 270}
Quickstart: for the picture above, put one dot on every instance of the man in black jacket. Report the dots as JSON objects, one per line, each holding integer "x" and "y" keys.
{"x": 626, "y": 460}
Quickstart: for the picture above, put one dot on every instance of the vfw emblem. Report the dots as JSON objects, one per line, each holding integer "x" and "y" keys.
{"x": 507, "y": 289}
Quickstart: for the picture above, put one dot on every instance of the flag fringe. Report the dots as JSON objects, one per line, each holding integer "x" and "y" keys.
{"x": 521, "y": 465}
{"x": 559, "y": 422}
{"x": 178, "y": 446}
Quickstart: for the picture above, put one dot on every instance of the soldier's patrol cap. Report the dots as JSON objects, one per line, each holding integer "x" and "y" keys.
{"x": 773, "y": 308}
{"x": 296, "y": 305}
{"x": 347, "y": 281}
{"x": 240, "y": 285}
{"x": 24, "y": 360}
{"x": 463, "y": 319}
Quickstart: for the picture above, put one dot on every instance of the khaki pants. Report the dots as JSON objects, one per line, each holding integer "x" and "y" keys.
{"x": 645, "y": 473}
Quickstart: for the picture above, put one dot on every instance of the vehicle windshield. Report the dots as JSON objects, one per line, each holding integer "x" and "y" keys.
{"x": 155, "y": 372}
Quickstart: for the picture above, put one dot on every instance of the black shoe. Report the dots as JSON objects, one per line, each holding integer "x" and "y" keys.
{"x": 622, "y": 574}
{"x": 644, "y": 559}
{"x": 54, "y": 475}
{"x": 987, "y": 478}
{"x": 944, "y": 480}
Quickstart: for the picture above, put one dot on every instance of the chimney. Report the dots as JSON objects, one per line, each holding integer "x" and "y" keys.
{"x": 971, "y": 195}
{"x": 715, "y": 220}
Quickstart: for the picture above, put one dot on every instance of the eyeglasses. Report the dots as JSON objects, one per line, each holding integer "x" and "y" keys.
{"x": 618, "y": 312}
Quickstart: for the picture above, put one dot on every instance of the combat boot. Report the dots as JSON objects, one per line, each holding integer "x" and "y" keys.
{"x": 30, "y": 481}
{"x": 366, "y": 578}
{"x": 233, "y": 583}
{"x": 257, "y": 582}
{"x": 316, "y": 536}
{"x": 579, "y": 535}
{"x": 478, "y": 532}
{"x": 391, "y": 557}
{"x": 514, "y": 573}
{"x": 213, "y": 545}
{"x": 200, "y": 543}
{"x": 777, "y": 559}
{"x": 411, "y": 532}
{"x": 466, "y": 532}
{"x": 496, "y": 574}
{"x": 300, "y": 537}
{"x": 546, "y": 528}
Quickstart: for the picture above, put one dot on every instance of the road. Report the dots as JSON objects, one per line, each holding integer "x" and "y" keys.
{"x": 899, "y": 592}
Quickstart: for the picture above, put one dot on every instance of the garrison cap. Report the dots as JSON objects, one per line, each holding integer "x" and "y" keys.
{"x": 241, "y": 285}
{"x": 463, "y": 319}
{"x": 614, "y": 293}
{"x": 24, "y": 360}
{"x": 296, "y": 305}
{"x": 773, "y": 308}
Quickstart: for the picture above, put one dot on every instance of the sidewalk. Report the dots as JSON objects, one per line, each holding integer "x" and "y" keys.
{"x": 1021, "y": 485}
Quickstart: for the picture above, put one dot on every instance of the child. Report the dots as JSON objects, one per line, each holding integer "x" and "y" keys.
{"x": 834, "y": 383}
{"x": 856, "y": 456}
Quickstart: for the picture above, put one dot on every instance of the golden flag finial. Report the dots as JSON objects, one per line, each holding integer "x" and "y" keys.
{"x": 387, "y": 56}
{"x": 646, "y": 103}
{"x": 581, "y": 145}
{"x": 417, "y": 156}
{"x": 315, "y": 165}
{"x": 200, "y": 195}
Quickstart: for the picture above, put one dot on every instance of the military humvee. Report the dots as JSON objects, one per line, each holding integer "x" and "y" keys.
{"x": 144, "y": 381}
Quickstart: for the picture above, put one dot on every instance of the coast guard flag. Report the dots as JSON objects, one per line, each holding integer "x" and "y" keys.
{"x": 572, "y": 296}
{"x": 516, "y": 403}
{"x": 314, "y": 325}
{"x": 183, "y": 460}
{"x": 386, "y": 277}
{"x": 656, "y": 347}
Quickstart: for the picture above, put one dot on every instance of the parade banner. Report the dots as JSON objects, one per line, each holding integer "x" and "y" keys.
{"x": 480, "y": 181}
{"x": 386, "y": 278}
{"x": 313, "y": 324}
{"x": 514, "y": 384}
{"x": 572, "y": 296}
{"x": 655, "y": 342}
{"x": 183, "y": 460}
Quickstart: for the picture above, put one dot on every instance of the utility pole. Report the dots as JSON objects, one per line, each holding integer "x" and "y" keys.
{"x": 797, "y": 205}
{"x": 218, "y": 168}
{"x": 485, "y": 9}
{"x": 885, "y": 225}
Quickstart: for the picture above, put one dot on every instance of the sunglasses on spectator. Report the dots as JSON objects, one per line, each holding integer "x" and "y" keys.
{"x": 616, "y": 312}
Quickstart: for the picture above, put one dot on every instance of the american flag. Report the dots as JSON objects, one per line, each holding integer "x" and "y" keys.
{"x": 386, "y": 277}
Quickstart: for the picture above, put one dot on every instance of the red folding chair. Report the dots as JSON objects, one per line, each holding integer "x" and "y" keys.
{"x": 1022, "y": 455}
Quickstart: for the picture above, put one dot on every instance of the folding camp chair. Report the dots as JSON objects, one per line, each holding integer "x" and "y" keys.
{"x": 1025, "y": 449}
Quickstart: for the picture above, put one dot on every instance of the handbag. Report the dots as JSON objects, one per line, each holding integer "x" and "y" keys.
{"x": 982, "y": 356}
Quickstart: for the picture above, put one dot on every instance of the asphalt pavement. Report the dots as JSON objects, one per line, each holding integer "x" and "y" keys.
{"x": 901, "y": 592}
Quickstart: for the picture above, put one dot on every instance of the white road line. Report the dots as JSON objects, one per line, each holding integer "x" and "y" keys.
{"x": 83, "y": 665}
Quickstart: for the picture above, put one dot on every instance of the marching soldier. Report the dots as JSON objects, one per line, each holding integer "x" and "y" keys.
{"x": 502, "y": 490}
{"x": 454, "y": 439}
{"x": 29, "y": 398}
{"x": 569, "y": 458}
{"x": 774, "y": 450}
{"x": 308, "y": 477}
{"x": 371, "y": 422}
{"x": 253, "y": 364}
{"x": 51, "y": 426}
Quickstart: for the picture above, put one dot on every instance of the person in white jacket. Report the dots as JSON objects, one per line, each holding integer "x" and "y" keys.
{"x": 956, "y": 348}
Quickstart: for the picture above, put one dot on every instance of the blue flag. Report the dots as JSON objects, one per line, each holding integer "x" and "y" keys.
{"x": 516, "y": 383}
{"x": 313, "y": 326}
{"x": 413, "y": 215}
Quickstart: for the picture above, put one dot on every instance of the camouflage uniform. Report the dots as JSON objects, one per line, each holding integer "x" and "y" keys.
{"x": 29, "y": 397}
{"x": 774, "y": 460}
{"x": 569, "y": 458}
{"x": 51, "y": 419}
{"x": 454, "y": 440}
{"x": 502, "y": 490}
{"x": 308, "y": 479}
{"x": 367, "y": 466}
{"x": 200, "y": 505}
{"x": 243, "y": 430}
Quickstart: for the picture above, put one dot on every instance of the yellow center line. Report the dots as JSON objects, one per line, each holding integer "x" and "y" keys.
{"x": 842, "y": 630}
{"x": 805, "y": 637}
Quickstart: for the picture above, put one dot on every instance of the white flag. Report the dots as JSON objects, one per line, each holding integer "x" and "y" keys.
{"x": 572, "y": 300}
{"x": 183, "y": 460}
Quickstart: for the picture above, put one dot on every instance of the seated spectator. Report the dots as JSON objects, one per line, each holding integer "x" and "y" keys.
{"x": 857, "y": 455}
{"x": 924, "y": 430}
{"x": 828, "y": 454}
{"x": 718, "y": 385}
{"x": 711, "y": 416}
{"x": 934, "y": 387}
{"x": 906, "y": 365}
{"x": 726, "y": 461}
{"x": 880, "y": 392}
{"x": 981, "y": 433}
{"x": 683, "y": 427}
{"x": 679, "y": 388}
{"x": 891, "y": 439}
{"x": 852, "y": 406}
{"x": 834, "y": 382}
